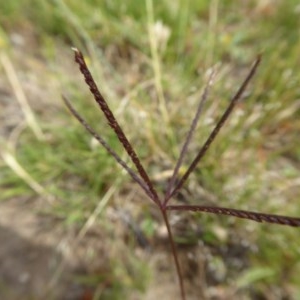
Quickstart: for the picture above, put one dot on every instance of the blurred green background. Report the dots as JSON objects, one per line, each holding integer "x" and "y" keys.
{"x": 151, "y": 60}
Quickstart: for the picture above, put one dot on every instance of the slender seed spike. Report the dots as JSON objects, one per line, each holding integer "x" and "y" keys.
{"x": 243, "y": 214}
{"x": 217, "y": 128}
{"x": 189, "y": 136}
{"x": 107, "y": 147}
{"x": 113, "y": 122}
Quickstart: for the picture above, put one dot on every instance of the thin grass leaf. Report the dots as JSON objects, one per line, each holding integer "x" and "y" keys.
{"x": 243, "y": 214}
{"x": 217, "y": 128}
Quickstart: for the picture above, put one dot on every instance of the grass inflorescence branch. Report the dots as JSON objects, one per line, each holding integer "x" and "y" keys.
{"x": 113, "y": 123}
{"x": 242, "y": 214}
{"x": 217, "y": 128}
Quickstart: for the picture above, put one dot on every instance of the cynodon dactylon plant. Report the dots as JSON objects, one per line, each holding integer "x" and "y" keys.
{"x": 176, "y": 182}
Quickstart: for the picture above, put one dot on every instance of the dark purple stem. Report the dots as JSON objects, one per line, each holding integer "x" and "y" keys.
{"x": 174, "y": 253}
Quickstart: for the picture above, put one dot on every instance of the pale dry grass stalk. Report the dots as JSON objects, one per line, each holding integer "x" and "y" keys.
{"x": 156, "y": 62}
{"x": 12, "y": 162}
{"x": 20, "y": 96}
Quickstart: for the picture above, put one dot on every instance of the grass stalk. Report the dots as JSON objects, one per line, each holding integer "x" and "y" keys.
{"x": 144, "y": 180}
{"x": 21, "y": 97}
{"x": 174, "y": 253}
{"x": 156, "y": 63}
